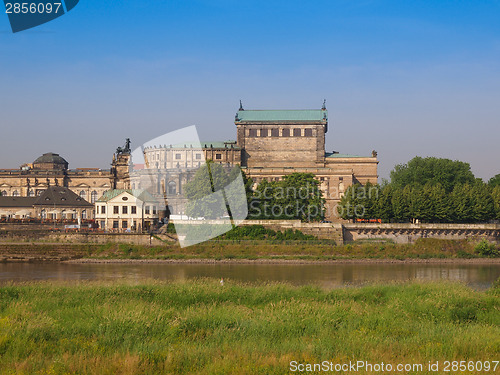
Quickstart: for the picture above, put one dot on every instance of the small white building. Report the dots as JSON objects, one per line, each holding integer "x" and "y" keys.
{"x": 126, "y": 210}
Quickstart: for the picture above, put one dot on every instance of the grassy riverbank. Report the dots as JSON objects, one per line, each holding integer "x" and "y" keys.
{"x": 292, "y": 250}
{"x": 310, "y": 250}
{"x": 205, "y": 328}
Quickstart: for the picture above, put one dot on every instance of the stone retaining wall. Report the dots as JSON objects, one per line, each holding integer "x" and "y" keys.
{"x": 407, "y": 233}
{"x": 341, "y": 233}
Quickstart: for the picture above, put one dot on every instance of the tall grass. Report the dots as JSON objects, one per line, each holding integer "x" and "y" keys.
{"x": 201, "y": 327}
{"x": 312, "y": 250}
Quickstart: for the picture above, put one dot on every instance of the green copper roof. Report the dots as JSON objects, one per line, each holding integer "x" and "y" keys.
{"x": 141, "y": 194}
{"x": 282, "y": 115}
{"x": 226, "y": 144}
{"x": 332, "y": 155}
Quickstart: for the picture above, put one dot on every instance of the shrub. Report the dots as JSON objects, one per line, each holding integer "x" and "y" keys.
{"x": 259, "y": 232}
{"x": 485, "y": 248}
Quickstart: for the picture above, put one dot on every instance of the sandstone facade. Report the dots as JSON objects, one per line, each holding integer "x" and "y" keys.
{"x": 270, "y": 144}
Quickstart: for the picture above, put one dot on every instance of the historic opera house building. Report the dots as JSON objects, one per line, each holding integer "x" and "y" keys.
{"x": 269, "y": 144}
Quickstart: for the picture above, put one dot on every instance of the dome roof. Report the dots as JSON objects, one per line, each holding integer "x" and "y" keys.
{"x": 50, "y": 157}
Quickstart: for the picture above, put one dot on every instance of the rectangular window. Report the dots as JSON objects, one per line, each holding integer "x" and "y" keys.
{"x": 285, "y": 132}
{"x": 218, "y": 156}
{"x": 115, "y": 224}
{"x": 124, "y": 210}
{"x": 103, "y": 209}
{"x": 133, "y": 210}
{"x": 275, "y": 132}
{"x": 147, "y": 210}
{"x": 154, "y": 210}
{"x": 263, "y": 132}
{"x": 124, "y": 224}
{"x": 252, "y": 132}
{"x": 198, "y": 156}
{"x": 116, "y": 210}
{"x": 308, "y": 132}
{"x": 102, "y": 225}
{"x": 177, "y": 156}
{"x": 297, "y": 132}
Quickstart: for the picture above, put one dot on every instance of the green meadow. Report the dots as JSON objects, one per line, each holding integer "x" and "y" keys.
{"x": 203, "y": 327}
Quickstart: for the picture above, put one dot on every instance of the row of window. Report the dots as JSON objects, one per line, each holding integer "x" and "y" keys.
{"x": 125, "y": 210}
{"x": 178, "y": 156}
{"x": 53, "y": 216}
{"x": 198, "y": 156}
{"x": 31, "y": 193}
{"x": 285, "y": 132}
{"x": 269, "y": 179}
{"x": 218, "y": 156}
{"x": 116, "y": 210}
{"x": 116, "y": 224}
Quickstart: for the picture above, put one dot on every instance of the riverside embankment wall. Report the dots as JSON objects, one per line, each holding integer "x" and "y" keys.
{"x": 48, "y": 237}
{"x": 341, "y": 233}
{"x": 407, "y": 233}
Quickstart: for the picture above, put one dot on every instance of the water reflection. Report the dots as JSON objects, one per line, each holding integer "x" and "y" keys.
{"x": 329, "y": 276}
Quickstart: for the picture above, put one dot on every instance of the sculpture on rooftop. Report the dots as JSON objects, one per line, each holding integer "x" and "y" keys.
{"x": 125, "y": 149}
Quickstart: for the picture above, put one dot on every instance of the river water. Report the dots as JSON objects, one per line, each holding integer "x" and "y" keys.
{"x": 327, "y": 275}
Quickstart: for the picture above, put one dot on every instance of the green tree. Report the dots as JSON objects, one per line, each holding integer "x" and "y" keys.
{"x": 384, "y": 208}
{"x": 401, "y": 204}
{"x": 432, "y": 170}
{"x": 350, "y": 206}
{"x": 494, "y": 181}
{"x": 441, "y": 209}
{"x": 295, "y": 196}
{"x": 483, "y": 207}
{"x": 495, "y": 195}
{"x": 200, "y": 192}
{"x": 419, "y": 203}
{"x": 427, "y": 204}
{"x": 371, "y": 195}
{"x": 461, "y": 203}
{"x": 238, "y": 202}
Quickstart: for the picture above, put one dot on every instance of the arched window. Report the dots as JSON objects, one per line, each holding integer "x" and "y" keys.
{"x": 15, "y": 193}
{"x": 93, "y": 197}
{"x": 31, "y": 193}
{"x": 39, "y": 192}
{"x": 4, "y": 193}
{"x": 172, "y": 188}
{"x": 82, "y": 194}
{"x": 43, "y": 214}
{"x": 84, "y": 214}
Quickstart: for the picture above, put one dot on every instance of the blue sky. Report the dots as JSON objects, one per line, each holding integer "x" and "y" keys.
{"x": 403, "y": 78}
